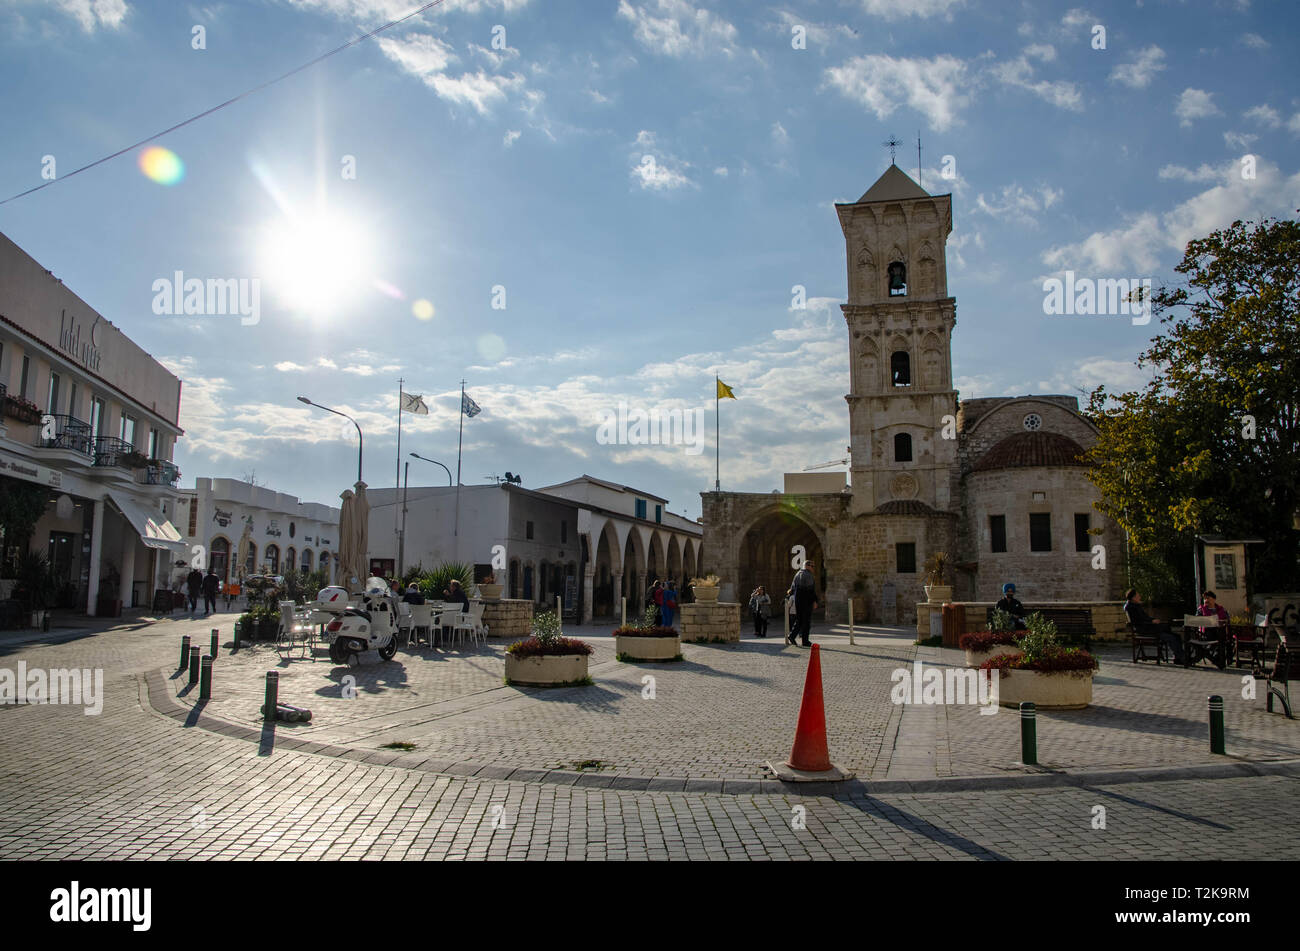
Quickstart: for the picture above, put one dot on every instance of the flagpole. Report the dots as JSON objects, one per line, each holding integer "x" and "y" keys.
{"x": 717, "y": 437}
{"x": 397, "y": 479}
{"x": 459, "y": 440}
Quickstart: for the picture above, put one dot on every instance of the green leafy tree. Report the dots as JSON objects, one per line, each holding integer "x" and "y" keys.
{"x": 1213, "y": 442}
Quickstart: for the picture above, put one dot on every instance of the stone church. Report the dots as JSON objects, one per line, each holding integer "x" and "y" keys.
{"x": 997, "y": 484}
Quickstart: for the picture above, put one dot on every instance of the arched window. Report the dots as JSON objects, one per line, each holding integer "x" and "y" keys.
{"x": 897, "y": 279}
{"x": 306, "y": 560}
{"x": 250, "y": 566}
{"x": 219, "y": 558}
{"x": 290, "y": 559}
{"x": 900, "y": 368}
{"x": 902, "y": 447}
{"x": 273, "y": 559}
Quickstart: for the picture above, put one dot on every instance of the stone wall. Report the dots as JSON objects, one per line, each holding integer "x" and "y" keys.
{"x": 710, "y": 621}
{"x": 509, "y": 618}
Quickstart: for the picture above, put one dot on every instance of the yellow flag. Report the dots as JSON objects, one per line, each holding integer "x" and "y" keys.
{"x": 724, "y": 391}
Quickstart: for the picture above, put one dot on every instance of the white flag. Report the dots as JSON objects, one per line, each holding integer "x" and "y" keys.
{"x": 414, "y": 404}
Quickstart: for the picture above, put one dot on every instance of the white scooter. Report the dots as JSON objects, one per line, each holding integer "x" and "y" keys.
{"x": 370, "y": 624}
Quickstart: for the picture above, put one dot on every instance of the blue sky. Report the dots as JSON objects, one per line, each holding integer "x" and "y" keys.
{"x": 522, "y": 166}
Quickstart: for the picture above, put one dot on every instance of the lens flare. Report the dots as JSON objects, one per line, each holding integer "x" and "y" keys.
{"x": 162, "y": 165}
{"x": 491, "y": 347}
{"x": 422, "y": 309}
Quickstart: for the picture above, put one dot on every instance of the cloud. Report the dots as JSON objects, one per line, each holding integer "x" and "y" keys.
{"x": 1016, "y": 204}
{"x": 1264, "y": 115}
{"x": 95, "y": 13}
{"x": 1254, "y": 41}
{"x": 1140, "y": 240}
{"x": 657, "y": 170}
{"x": 677, "y": 29}
{"x": 1139, "y": 73}
{"x": 1293, "y": 124}
{"x": 427, "y": 57}
{"x": 721, "y": 171}
{"x": 779, "y": 135}
{"x": 1019, "y": 73}
{"x": 1195, "y": 104}
{"x": 1044, "y": 52}
{"x": 511, "y": 137}
{"x": 1239, "y": 140}
{"x": 898, "y": 9}
{"x": 1202, "y": 174}
{"x": 1118, "y": 376}
{"x": 819, "y": 36}
{"x": 934, "y": 87}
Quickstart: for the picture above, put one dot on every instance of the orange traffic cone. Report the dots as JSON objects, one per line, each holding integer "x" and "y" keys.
{"x": 810, "y": 753}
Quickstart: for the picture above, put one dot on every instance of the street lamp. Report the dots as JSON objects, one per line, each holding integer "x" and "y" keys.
{"x": 436, "y": 463}
{"x": 408, "y": 466}
{"x": 360, "y": 439}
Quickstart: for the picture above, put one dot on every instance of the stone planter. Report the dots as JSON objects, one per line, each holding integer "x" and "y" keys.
{"x": 1064, "y": 690}
{"x": 975, "y": 658}
{"x": 703, "y": 593}
{"x": 491, "y": 592}
{"x": 546, "y": 670}
{"x": 647, "y": 648}
{"x": 938, "y": 593}
{"x": 710, "y": 622}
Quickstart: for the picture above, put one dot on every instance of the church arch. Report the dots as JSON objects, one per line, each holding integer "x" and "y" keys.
{"x": 767, "y": 549}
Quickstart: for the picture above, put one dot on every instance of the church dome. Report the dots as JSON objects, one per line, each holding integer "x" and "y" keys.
{"x": 904, "y": 507}
{"x": 1027, "y": 450}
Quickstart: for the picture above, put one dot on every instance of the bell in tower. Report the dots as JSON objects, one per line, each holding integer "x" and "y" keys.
{"x": 897, "y": 279}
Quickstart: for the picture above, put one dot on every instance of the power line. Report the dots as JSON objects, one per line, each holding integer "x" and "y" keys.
{"x": 243, "y": 95}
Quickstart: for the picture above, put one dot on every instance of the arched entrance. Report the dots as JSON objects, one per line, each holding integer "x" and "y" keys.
{"x": 767, "y": 552}
{"x": 219, "y": 558}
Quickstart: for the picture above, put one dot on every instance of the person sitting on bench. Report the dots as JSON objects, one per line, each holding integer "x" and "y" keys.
{"x": 1012, "y": 606}
{"x": 1142, "y": 624}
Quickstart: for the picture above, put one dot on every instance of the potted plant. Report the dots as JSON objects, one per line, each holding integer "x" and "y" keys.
{"x": 647, "y": 641}
{"x": 1000, "y": 638}
{"x": 23, "y": 410}
{"x": 133, "y": 459}
{"x": 936, "y": 570}
{"x": 546, "y": 659}
{"x": 489, "y": 588}
{"x": 1052, "y": 677}
{"x": 706, "y": 588}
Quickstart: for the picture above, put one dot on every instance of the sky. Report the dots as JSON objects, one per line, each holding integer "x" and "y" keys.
{"x": 576, "y": 205}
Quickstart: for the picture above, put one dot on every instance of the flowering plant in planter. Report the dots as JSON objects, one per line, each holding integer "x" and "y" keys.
{"x": 1041, "y": 651}
{"x": 987, "y": 640}
{"x": 546, "y": 640}
{"x": 655, "y": 631}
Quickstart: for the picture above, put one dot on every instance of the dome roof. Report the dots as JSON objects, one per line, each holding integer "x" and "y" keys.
{"x": 1026, "y": 450}
{"x": 904, "y": 507}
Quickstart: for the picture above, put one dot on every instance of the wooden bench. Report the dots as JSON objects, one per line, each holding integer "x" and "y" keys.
{"x": 1286, "y": 667}
{"x": 1074, "y": 625}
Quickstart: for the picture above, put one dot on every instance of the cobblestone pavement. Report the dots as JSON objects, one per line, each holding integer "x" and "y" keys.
{"x": 727, "y": 710}
{"x": 134, "y": 783}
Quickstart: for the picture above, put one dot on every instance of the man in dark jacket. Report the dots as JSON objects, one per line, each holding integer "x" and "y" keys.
{"x": 211, "y": 587}
{"x": 1011, "y": 605}
{"x": 804, "y": 591}
{"x": 194, "y": 588}
{"x": 1143, "y": 624}
{"x": 413, "y": 595}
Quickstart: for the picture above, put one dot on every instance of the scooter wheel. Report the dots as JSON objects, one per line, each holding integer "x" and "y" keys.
{"x": 338, "y": 654}
{"x": 389, "y": 650}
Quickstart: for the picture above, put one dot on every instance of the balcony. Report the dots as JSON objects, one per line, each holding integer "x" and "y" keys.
{"x": 69, "y": 433}
{"x": 159, "y": 472}
{"x": 23, "y": 410}
{"x": 111, "y": 451}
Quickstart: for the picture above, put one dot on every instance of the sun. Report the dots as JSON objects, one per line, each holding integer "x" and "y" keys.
{"x": 316, "y": 263}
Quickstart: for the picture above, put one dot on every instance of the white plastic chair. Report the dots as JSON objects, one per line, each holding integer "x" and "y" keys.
{"x": 450, "y": 617}
{"x": 421, "y": 620}
{"x": 471, "y": 623}
{"x": 404, "y": 625}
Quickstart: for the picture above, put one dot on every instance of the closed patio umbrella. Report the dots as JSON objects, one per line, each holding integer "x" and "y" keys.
{"x": 347, "y": 560}
{"x": 361, "y": 531}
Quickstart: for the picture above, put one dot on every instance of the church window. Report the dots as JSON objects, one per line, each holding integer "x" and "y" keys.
{"x": 897, "y": 279}
{"x": 998, "y": 532}
{"x": 902, "y": 448}
{"x": 1033, "y": 422}
{"x": 905, "y": 558}
{"x": 1040, "y": 531}
{"x": 1082, "y": 541}
{"x": 900, "y": 368}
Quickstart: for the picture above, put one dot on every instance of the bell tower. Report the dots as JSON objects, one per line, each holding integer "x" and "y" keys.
{"x": 900, "y": 320}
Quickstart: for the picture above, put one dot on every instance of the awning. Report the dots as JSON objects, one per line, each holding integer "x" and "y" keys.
{"x": 154, "y": 530}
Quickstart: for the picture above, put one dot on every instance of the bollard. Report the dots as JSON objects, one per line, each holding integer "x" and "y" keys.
{"x": 624, "y": 622}
{"x": 1028, "y": 734}
{"x": 205, "y": 679}
{"x": 559, "y": 614}
{"x": 1216, "y": 724}
{"x": 185, "y": 652}
{"x": 216, "y": 641}
{"x": 850, "y": 622}
{"x": 194, "y": 666}
{"x": 235, "y": 648}
{"x": 272, "y": 695}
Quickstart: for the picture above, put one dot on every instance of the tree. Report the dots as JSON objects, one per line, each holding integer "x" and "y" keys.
{"x": 1213, "y": 442}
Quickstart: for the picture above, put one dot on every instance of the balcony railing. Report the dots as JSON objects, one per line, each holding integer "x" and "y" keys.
{"x": 111, "y": 451}
{"x": 69, "y": 433}
{"x": 160, "y": 472}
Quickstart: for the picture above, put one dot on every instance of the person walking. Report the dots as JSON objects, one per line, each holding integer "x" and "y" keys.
{"x": 657, "y": 599}
{"x": 803, "y": 588}
{"x": 211, "y": 588}
{"x": 669, "y": 607}
{"x": 194, "y": 588}
{"x": 760, "y": 606}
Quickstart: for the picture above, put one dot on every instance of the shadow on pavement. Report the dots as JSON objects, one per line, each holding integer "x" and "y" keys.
{"x": 917, "y": 826}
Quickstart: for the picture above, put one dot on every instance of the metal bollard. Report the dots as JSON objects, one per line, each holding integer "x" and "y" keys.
{"x": 216, "y": 641}
{"x": 235, "y": 648}
{"x": 1028, "y": 734}
{"x": 185, "y": 652}
{"x": 850, "y": 622}
{"x": 205, "y": 679}
{"x": 1216, "y": 724}
{"x": 272, "y": 695}
{"x": 194, "y": 666}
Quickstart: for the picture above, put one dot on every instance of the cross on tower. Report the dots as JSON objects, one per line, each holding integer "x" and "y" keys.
{"x": 892, "y": 144}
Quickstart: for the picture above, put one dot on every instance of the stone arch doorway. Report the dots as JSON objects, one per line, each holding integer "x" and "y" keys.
{"x": 766, "y": 552}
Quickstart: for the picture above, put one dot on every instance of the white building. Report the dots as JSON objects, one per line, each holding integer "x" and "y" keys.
{"x": 92, "y": 420}
{"x": 285, "y": 533}
{"x": 587, "y": 540}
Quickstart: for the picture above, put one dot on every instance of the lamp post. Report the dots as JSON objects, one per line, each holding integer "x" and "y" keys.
{"x": 360, "y": 438}
{"x": 436, "y": 463}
